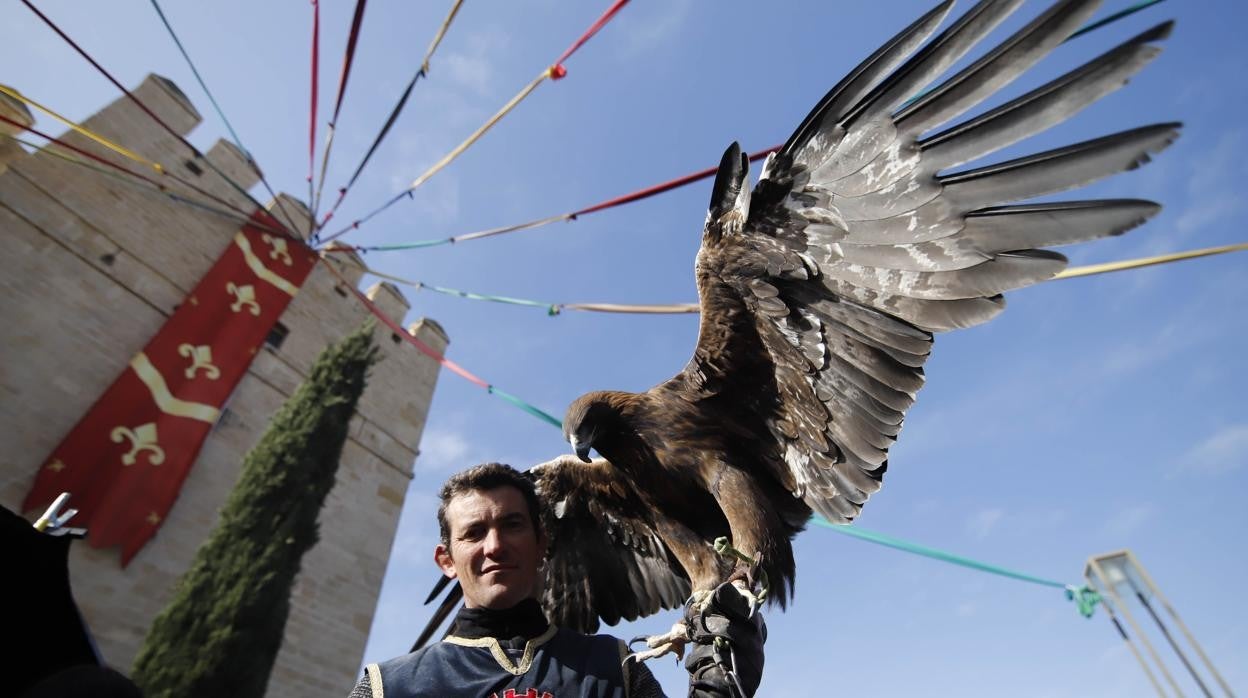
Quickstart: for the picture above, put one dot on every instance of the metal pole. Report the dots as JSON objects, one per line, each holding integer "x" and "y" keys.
{"x": 1109, "y": 589}
{"x": 1109, "y": 609}
{"x": 1182, "y": 626}
{"x": 1173, "y": 645}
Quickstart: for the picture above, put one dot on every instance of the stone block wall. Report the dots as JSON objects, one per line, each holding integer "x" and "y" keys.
{"x": 94, "y": 267}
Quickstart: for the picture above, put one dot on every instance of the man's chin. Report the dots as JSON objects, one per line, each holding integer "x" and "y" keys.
{"x": 499, "y": 599}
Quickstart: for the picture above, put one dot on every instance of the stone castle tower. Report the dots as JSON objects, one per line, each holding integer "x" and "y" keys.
{"x": 93, "y": 267}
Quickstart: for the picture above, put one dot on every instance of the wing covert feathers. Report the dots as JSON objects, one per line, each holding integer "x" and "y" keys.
{"x": 606, "y": 560}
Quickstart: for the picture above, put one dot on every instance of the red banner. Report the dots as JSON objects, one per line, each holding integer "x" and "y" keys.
{"x": 124, "y": 462}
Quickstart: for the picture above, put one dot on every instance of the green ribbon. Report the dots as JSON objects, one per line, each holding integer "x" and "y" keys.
{"x": 1084, "y": 597}
{"x": 551, "y": 308}
{"x": 544, "y": 416}
{"x": 407, "y": 246}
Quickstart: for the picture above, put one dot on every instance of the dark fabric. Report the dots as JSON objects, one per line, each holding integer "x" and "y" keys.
{"x": 523, "y": 621}
{"x": 44, "y": 632}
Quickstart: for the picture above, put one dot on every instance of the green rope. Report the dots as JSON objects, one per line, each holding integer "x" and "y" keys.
{"x": 1084, "y": 597}
{"x": 1113, "y": 18}
{"x": 407, "y": 245}
{"x": 551, "y": 308}
{"x": 133, "y": 182}
{"x": 544, "y": 416}
{"x": 208, "y": 92}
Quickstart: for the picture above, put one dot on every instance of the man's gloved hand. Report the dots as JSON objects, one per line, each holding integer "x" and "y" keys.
{"x": 727, "y": 656}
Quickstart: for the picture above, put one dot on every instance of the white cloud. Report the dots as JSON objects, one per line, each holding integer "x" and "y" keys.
{"x": 472, "y": 67}
{"x": 1218, "y": 169}
{"x": 1214, "y": 207}
{"x": 1127, "y": 520}
{"x": 647, "y": 32}
{"x": 443, "y": 450}
{"x": 982, "y": 523}
{"x": 1223, "y": 451}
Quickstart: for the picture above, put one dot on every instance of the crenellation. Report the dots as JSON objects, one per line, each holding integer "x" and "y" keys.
{"x": 219, "y": 180}
{"x": 292, "y": 213}
{"x": 95, "y": 268}
{"x": 347, "y": 261}
{"x": 388, "y": 299}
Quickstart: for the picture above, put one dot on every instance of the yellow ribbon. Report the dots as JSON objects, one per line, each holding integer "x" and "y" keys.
{"x": 1148, "y": 261}
{"x": 481, "y": 131}
{"x": 682, "y": 308}
{"x": 437, "y": 39}
{"x": 89, "y": 134}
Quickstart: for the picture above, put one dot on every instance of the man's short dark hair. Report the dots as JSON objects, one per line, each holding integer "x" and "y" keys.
{"x": 487, "y": 476}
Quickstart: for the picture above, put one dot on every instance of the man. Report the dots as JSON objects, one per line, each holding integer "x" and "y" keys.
{"x": 501, "y": 645}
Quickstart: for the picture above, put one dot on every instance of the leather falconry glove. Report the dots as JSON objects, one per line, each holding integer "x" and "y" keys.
{"x": 727, "y": 656}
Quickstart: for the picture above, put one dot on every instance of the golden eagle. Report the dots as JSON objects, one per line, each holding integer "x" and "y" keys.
{"x": 820, "y": 291}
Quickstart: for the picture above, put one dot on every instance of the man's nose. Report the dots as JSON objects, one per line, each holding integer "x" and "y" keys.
{"x": 493, "y": 542}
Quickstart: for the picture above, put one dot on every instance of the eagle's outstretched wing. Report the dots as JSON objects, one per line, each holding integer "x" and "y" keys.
{"x": 854, "y": 248}
{"x": 606, "y": 559}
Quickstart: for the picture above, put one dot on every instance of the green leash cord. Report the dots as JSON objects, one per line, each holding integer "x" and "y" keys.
{"x": 1085, "y": 597}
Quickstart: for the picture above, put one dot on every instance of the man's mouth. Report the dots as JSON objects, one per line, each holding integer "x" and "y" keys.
{"x": 497, "y": 568}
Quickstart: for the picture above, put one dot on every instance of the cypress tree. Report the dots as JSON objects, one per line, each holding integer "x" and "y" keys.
{"x": 220, "y": 634}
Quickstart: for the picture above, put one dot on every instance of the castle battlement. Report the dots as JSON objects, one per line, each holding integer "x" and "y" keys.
{"x": 94, "y": 267}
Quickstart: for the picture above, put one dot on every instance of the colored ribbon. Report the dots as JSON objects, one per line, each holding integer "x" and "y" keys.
{"x": 1084, "y": 597}
{"x": 134, "y": 179}
{"x": 394, "y": 113}
{"x": 1091, "y": 269}
{"x": 686, "y": 308}
{"x": 569, "y": 216}
{"x": 555, "y": 72}
{"x": 447, "y": 363}
{"x": 143, "y": 107}
{"x": 237, "y": 141}
{"x": 1092, "y": 26}
{"x": 347, "y": 59}
{"x": 666, "y": 186}
{"x": 316, "y": 42}
{"x": 593, "y": 29}
{"x": 122, "y": 151}
{"x": 181, "y": 180}
{"x": 191, "y": 64}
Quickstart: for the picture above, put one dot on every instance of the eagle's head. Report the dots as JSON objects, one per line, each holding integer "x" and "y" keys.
{"x": 591, "y": 417}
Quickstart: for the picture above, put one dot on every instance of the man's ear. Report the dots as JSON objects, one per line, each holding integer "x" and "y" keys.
{"x": 442, "y": 557}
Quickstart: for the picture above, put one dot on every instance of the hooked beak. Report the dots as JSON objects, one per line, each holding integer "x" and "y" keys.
{"x": 582, "y": 449}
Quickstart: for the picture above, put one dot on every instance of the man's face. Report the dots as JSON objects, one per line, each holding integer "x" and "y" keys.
{"x": 494, "y": 550}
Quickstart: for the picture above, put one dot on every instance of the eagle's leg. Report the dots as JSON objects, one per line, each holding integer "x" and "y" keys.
{"x": 747, "y": 577}
{"x": 706, "y": 572}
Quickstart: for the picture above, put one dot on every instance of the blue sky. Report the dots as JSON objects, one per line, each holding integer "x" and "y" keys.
{"x": 1094, "y": 414}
